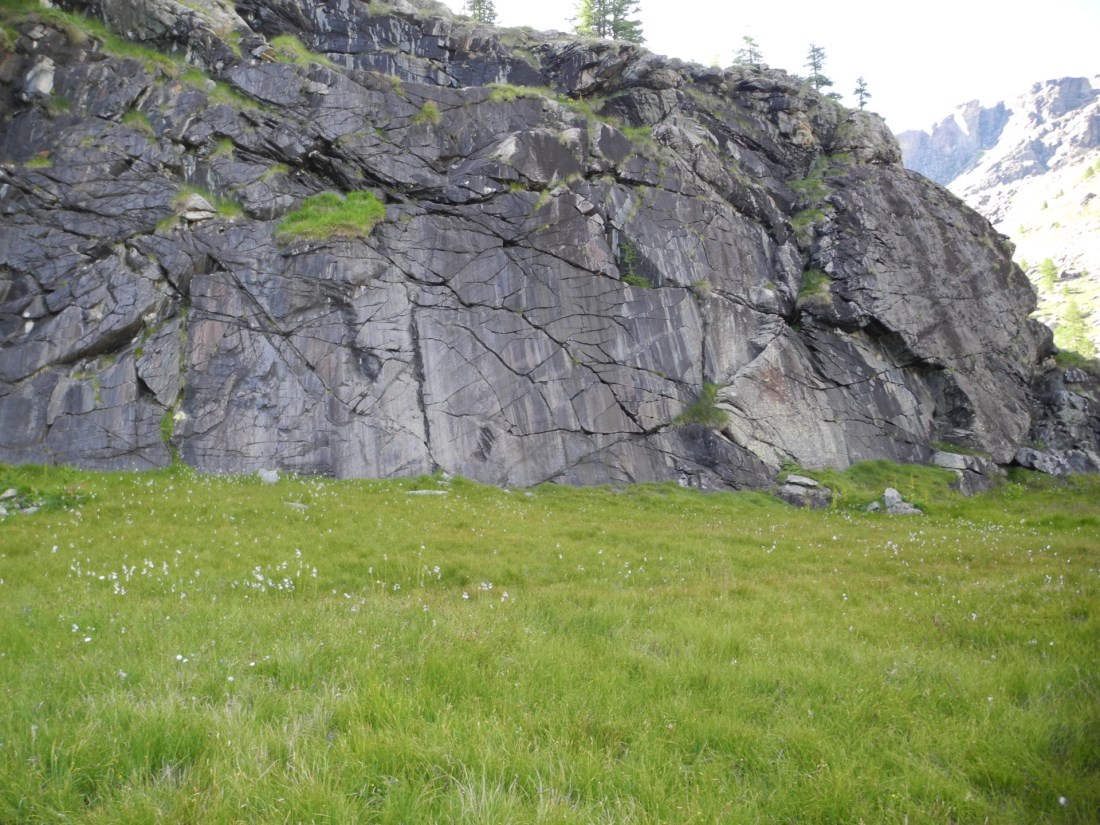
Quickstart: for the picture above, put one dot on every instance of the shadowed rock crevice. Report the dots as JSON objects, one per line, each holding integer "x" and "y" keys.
{"x": 563, "y": 261}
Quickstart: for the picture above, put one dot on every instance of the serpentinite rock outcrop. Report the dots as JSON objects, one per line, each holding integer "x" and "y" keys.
{"x": 581, "y": 240}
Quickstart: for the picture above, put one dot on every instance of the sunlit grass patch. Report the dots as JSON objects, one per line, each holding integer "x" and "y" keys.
{"x": 289, "y": 49}
{"x": 218, "y": 91}
{"x": 429, "y": 113}
{"x": 332, "y": 215}
{"x": 866, "y": 481}
{"x": 217, "y": 649}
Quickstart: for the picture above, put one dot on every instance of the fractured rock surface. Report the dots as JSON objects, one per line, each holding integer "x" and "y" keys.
{"x": 560, "y": 271}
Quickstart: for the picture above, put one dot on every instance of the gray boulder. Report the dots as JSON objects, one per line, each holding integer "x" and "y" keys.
{"x": 893, "y": 504}
{"x": 38, "y": 84}
{"x": 1058, "y": 462}
{"x": 804, "y": 492}
{"x": 974, "y": 474}
{"x": 1067, "y": 411}
{"x": 903, "y": 508}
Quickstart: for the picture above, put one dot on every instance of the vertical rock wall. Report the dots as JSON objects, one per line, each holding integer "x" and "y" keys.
{"x": 564, "y": 263}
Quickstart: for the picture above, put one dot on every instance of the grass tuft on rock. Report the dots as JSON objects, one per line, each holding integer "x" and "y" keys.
{"x": 80, "y": 30}
{"x": 289, "y": 49}
{"x": 814, "y": 282}
{"x": 225, "y": 206}
{"x": 332, "y": 215}
{"x": 704, "y": 410}
{"x": 429, "y": 113}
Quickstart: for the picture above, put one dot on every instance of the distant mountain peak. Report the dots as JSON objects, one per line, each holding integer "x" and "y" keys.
{"x": 1051, "y": 123}
{"x": 1031, "y": 165}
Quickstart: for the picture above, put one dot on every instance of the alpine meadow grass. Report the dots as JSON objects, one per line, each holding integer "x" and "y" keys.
{"x": 176, "y": 647}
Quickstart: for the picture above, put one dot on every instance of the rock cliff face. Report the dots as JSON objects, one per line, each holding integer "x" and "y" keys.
{"x": 568, "y": 265}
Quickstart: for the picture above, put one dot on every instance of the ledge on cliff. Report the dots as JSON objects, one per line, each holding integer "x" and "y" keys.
{"x": 578, "y": 236}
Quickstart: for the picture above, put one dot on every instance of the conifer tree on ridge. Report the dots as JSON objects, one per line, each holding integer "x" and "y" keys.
{"x": 609, "y": 18}
{"x": 482, "y": 11}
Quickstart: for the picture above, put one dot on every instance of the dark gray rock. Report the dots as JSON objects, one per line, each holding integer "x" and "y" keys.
{"x": 194, "y": 207}
{"x": 974, "y": 474}
{"x": 1066, "y": 409}
{"x": 802, "y": 491}
{"x": 1058, "y": 462}
{"x": 548, "y": 294}
{"x": 903, "y": 508}
{"x": 199, "y": 31}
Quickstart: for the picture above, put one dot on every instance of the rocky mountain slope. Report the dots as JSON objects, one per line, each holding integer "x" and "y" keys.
{"x": 594, "y": 264}
{"x": 1032, "y": 166}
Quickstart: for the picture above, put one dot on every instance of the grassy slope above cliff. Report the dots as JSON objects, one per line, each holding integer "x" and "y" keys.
{"x": 208, "y": 649}
{"x": 1057, "y": 216}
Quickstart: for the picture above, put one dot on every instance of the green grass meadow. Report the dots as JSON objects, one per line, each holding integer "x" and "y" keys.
{"x": 182, "y": 648}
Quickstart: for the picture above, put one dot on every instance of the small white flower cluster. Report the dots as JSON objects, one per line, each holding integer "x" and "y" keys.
{"x": 267, "y": 578}
{"x": 171, "y": 577}
{"x": 487, "y": 587}
{"x": 84, "y": 639}
{"x": 356, "y": 603}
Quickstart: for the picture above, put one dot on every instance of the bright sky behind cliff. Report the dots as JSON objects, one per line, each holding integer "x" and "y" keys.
{"x": 920, "y": 60}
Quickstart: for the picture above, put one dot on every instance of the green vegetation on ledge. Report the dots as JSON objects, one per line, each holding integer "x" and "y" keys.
{"x": 227, "y": 207}
{"x": 585, "y": 107}
{"x": 332, "y": 215}
{"x": 704, "y": 410}
{"x": 80, "y": 30}
{"x": 814, "y": 282}
{"x": 139, "y": 121}
{"x": 429, "y": 113}
{"x": 289, "y": 49}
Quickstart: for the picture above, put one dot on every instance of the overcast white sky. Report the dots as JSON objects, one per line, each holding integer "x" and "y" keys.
{"x": 920, "y": 59}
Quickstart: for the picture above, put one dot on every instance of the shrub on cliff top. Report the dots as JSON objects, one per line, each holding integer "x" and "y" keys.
{"x": 331, "y": 215}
